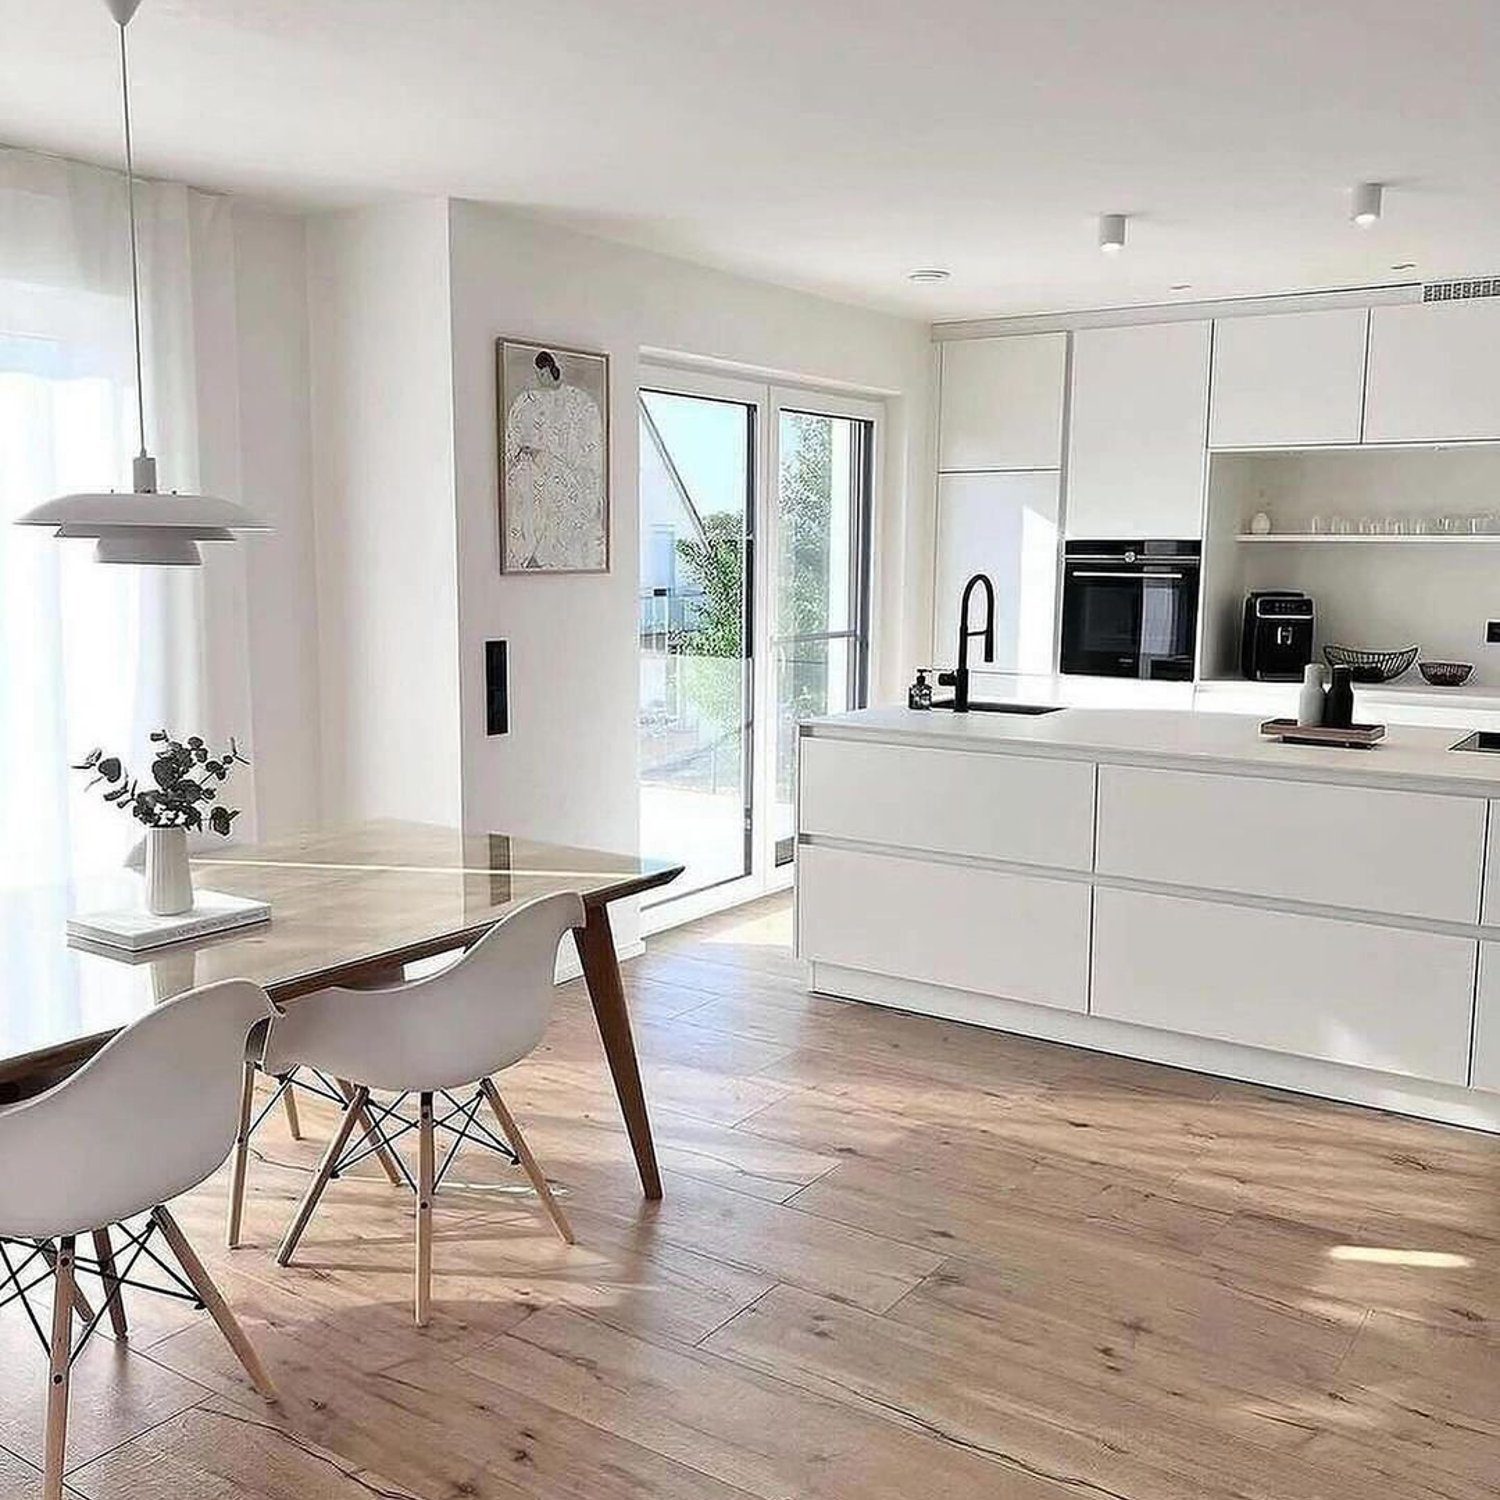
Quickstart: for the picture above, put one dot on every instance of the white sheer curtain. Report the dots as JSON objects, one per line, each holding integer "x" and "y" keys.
{"x": 93, "y": 655}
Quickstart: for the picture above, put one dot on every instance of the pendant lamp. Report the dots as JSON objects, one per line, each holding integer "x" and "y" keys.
{"x": 141, "y": 525}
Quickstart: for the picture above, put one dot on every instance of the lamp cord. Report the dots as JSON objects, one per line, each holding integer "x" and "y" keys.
{"x": 135, "y": 269}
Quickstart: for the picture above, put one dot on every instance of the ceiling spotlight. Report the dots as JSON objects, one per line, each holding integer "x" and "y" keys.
{"x": 1365, "y": 203}
{"x": 1111, "y": 233}
{"x": 928, "y": 275}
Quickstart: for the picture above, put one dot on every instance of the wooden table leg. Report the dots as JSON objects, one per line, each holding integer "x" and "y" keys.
{"x": 601, "y": 972}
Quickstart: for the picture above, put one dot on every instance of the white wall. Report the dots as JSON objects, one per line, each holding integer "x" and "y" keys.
{"x": 275, "y": 482}
{"x": 567, "y": 770}
{"x": 382, "y": 412}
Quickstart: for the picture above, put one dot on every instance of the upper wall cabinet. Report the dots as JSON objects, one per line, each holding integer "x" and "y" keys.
{"x": 1292, "y": 380}
{"x": 1434, "y": 375}
{"x": 1002, "y": 402}
{"x": 1136, "y": 449}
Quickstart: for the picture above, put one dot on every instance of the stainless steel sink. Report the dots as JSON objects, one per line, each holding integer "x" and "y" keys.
{"x": 1486, "y": 740}
{"x": 1005, "y": 708}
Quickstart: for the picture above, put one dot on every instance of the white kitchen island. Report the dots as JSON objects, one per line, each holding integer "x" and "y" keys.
{"x": 1169, "y": 886}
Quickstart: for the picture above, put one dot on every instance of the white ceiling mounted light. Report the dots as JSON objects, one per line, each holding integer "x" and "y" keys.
{"x": 1111, "y": 233}
{"x": 1365, "y": 203}
{"x": 140, "y": 525}
{"x": 928, "y": 275}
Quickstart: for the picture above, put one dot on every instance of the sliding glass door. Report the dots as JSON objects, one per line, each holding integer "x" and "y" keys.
{"x": 754, "y": 587}
{"x": 697, "y": 489}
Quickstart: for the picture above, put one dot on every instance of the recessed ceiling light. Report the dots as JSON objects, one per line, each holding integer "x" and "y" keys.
{"x": 1111, "y": 233}
{"x": 928, "y": 275}
{"x": 1365, "y": 203}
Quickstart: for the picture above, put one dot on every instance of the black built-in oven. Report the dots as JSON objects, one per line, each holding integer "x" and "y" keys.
{"x": 1130, "y": 609}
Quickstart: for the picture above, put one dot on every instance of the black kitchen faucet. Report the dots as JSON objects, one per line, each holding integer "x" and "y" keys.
{"x": 958, "y": 679}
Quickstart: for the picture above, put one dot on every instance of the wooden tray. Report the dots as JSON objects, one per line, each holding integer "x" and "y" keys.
{"x": 1355, "y": 737}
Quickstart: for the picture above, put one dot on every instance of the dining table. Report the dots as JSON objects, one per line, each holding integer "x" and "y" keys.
{"x": 350, "y": 905}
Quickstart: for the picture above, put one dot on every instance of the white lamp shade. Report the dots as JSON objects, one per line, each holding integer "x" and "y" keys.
{"x": 131, "y": 527}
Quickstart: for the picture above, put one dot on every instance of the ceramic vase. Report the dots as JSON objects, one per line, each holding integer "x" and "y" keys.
{"x": 1310, "y": 699}
{"x": 169, "y": 877}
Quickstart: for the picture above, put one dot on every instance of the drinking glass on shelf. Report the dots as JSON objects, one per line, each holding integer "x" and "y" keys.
{"x": 1368, "y": 526}
{"x": 1316, "y": 526}
{"x": 1340, "y": 526}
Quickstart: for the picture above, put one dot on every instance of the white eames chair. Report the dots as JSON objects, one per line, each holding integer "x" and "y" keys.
{"x": 149, "y": 1116}
{"x": 425, "y": 1037}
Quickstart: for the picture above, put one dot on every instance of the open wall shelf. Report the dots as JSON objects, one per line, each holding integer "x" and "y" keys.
{"x": 1328, "y": 538}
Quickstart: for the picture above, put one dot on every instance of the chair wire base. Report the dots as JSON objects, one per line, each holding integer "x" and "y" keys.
{"x": 469, "y": 1127}
{"x": 113, "y": 1279}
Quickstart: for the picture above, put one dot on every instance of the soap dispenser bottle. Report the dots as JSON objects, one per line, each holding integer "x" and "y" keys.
{"x": 919, "y": 694}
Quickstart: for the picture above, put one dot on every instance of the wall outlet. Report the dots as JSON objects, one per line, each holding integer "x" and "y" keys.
{"x": 1492, "y": 633}
{"x": 496, "y": 688}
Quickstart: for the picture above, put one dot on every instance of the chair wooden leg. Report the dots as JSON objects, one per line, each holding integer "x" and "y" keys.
{"x": 213, "y": 1300}
{"x": 114, "y": 1300}
{"x": 321, "y": 1177}
{"x": 241, "y": 1159}
{"x": 81, "y": 1304}
{"x": 528, "y": 1161}
{"x": 426, "y": 1167}
{"x": 59, "y": 1361}
{"x": 367, "y": 1124}
{"x": 289, "y": 1104}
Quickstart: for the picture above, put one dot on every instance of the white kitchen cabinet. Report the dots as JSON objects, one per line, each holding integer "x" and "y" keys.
{"x": 1434, "y": 375}
{"x": 986, "y": 931}
{"x": 1035, "y": 811}
{"x": 1002, "y": 402}
{"x": 1486, "y": 1073}
{"x": 1490, "y": 911}
{"x": 1290, "y": 380}
{"x": 1003, "y": 525}
{"x": 1137, "y": 431}
{"x": 1415, "y": 854}
{"x": 1390, "y": 999}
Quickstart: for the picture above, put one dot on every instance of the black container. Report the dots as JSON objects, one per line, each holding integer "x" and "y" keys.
{"x": 1338, "y": 706}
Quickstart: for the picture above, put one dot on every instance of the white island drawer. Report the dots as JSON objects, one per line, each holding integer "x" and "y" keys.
{"x": 1415, "y": 854}
{"x": 1391, "y": 999}
{"x": 989, "y": 931}
{"x": 1024, "y": 809}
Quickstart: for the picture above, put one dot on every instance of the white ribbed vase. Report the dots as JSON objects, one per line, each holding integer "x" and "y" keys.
{"x": 169, "y": 877}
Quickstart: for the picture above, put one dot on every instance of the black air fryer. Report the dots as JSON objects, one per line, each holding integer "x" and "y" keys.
{"x": 1276, "y": 642}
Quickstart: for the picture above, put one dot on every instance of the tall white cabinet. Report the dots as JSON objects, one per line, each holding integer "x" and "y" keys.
{"x": 1000, "y": 440}
{"x": 1137, "y": 432}
{"x": 1003, "y": 525}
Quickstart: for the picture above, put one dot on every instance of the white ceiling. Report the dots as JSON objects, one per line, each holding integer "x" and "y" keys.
{"x": 834, "y": 144}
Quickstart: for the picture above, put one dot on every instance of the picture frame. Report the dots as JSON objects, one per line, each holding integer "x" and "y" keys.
{"x": 553, "y": 443}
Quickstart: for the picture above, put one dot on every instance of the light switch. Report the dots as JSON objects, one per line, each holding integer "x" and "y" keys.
{"x": 496, "y": 688}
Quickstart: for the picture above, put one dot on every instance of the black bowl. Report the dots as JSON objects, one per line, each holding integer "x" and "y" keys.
{"x": 1371, "y": 666}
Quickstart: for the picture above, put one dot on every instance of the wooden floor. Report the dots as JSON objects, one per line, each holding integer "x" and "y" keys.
{"x": 897, "y": 1258}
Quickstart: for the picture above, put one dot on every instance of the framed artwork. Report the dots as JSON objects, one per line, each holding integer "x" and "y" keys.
{"x": 554, "y": 458}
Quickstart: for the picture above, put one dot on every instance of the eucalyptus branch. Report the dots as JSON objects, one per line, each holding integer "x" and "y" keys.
{"x": 185, "y": 778}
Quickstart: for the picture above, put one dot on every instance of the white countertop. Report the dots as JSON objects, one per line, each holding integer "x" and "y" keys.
{"x": 1411, "y": 757}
